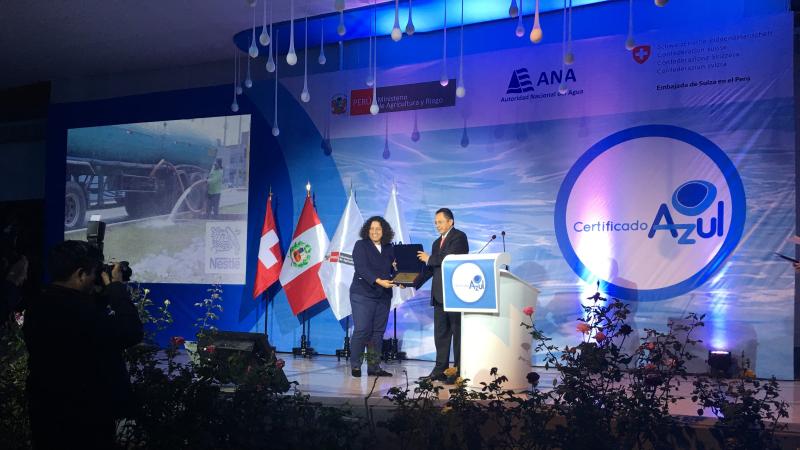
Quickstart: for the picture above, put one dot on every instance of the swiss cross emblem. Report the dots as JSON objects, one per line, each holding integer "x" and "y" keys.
{"x": 641, "y": 53}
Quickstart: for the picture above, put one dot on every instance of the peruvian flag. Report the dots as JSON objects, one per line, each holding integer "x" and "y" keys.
{"x": 269, "y": 254}
{"x": 300, "y": 272}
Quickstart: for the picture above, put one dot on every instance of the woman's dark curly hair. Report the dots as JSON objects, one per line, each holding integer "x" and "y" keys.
{"x": 388, "y": 233}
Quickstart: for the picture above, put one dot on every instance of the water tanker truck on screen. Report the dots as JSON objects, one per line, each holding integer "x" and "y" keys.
{"x": 124, "y": 166}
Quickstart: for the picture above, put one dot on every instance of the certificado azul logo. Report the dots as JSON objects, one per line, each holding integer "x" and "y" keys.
{"x": 662, "y": 205}
{"x": 690, "y": 199}
{"x": 469, "y": 282}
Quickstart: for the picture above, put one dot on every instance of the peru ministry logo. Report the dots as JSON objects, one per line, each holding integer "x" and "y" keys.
{"x": 651, "y": 212}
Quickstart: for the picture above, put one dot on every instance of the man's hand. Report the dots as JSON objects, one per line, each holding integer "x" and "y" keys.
{"x": 796, "y": 267}
{"x": 422, "y": 256}
{"x": 116, "y": 275}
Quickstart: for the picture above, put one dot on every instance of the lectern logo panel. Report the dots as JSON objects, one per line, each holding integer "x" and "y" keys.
{"x": 469, "y": 282}
{"x": 651, "y": 212}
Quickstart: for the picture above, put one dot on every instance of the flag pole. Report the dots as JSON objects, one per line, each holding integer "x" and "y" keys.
{"x": 344, "y": 352}
{"x": 305, "y": 350}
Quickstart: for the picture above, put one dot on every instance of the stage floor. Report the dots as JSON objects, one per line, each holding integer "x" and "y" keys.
{"x": 329, "y": 381}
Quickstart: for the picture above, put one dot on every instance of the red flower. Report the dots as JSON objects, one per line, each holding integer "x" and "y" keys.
{"x": 599, "y": 336}
{"x": 211, "y": 349}
{"x": 279, "y": 363}
{"x": 583, "y": 327}
{"x": 177, "y": 340}
{"x": 528, "y": 310}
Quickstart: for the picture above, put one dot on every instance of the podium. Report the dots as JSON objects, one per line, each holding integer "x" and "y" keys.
{"x": 491, "y": 301}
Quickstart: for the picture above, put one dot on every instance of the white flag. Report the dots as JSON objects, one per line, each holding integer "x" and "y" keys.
{"x": 336, "y": 272}
{"x": 395, "y": 219}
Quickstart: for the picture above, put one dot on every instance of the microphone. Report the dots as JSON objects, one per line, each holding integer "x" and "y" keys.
{"x": 487, "y": 243}
{"x": 503, "y": 235}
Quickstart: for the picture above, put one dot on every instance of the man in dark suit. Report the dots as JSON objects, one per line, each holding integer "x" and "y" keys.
{"x": 446, "y": 325}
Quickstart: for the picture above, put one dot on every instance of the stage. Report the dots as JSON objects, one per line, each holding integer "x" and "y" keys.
{"x": 328, "y": 381}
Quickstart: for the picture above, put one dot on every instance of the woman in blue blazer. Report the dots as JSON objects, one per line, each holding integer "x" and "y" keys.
{"x": 371, "y": 293}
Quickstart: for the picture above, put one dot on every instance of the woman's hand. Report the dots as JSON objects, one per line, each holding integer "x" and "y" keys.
{"x": 384, "y": 283}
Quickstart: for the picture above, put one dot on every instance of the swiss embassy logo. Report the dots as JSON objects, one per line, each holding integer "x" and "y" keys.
{"x": 641, "y": 53}
{"x": 686, "y": 217}
{"x": 520, "y": 82}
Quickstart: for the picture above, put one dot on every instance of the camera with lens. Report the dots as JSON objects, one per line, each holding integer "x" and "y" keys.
{"x": 95, "y": 235}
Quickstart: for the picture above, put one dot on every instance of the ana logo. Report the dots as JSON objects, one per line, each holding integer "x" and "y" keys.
{"x": 520, "y": 82}
{"x": 650, "y": 212}
{"x": 301, "y": 254}
{"x": 469, "y": 283}
{"x": 521, "y": 86}
{"x": 338, "y": 104}
{"x": 641, "y": 53}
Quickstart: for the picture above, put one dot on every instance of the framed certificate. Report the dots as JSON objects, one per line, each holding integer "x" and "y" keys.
{"x": 409, "y": 268}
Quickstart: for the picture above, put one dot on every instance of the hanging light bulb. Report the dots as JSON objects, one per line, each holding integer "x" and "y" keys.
{"x": 238, "y": 76}
{"x": 464, "y": 138}
{"x": 248, "y": 82}
{"x": 270, "y": 62}
{"x": 661, "y": 3}
{"x": 338, "y": 5}
{"x": 386, "y": 152}
{"x": 520, "y": 31}
{"x": 396, "y": 33}
{"x": 341, "y": 55}
{"x": 536, "y": 32}
{"x": 374, "y": 109}
{"x": 410, "y": 25}
{"x": 263, "y": 38}
{"x": 444, "y": 79}
{"x": 253, "y": 50}
{"x": 341, "y": 29}
{"x": 569, "y": 57}
{"x": 512, "y": 9}
{"x": 305, "y": 96}
{"x": 630, "y": 43}
{"x": 562, "y": 87}
{"x": 326, "y": 147}
{"x": 461, "y": 91}
{"x": 291, "y": 57}
{"x": 370, "y": 79}
{"x": 235, "y": 104}
{"x": 415, "y": 131}
{"x": 322, "y": 60}
{"x": 275, "y": 130}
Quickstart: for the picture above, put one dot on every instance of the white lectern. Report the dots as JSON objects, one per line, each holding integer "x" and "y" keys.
{"x": 491, "y": 301}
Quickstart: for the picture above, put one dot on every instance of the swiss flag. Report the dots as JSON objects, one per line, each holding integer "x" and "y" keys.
{"x": 269, "y": 254}
{"x": 300, "y": 272}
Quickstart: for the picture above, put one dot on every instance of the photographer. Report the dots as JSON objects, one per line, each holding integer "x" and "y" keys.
{"x": 78, "y": 384}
